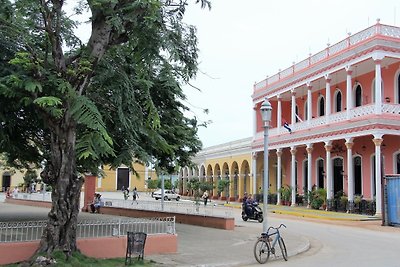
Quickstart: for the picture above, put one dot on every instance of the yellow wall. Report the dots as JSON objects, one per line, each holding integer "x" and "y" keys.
{"x": 231, "y": 162}
{"x": 16, "y": 178}
{"x": 109, "y": 180}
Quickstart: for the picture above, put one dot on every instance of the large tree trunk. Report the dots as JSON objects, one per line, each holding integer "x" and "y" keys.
{"x": 61, "y": 174}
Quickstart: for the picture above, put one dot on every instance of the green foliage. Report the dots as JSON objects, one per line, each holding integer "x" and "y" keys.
{"x": 318, "y": 198}
{"x": 132, "y": 107}
{"x": 73, "y": 106}
{"x": 80, "y": 260}
{"x": 206, "y": 186}
{"x": 286, "y": 192}
{"x": 316, "y": 203}
{"x": 167, "y": 183}
{"x": 357, "y": 199}
{"x": 152, "y": 184}
{"x": 30, "y": 176}
{"x": 223, "y": 185}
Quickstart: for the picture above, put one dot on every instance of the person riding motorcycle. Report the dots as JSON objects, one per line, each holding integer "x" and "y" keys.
{"x": 249, "y": 208}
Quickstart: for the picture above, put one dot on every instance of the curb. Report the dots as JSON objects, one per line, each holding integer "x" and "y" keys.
{"x": 322, "y": 217}
{"x": 315, "y": 214}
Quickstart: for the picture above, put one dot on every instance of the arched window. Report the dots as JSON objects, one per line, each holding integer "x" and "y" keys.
{"x": 321, "y": 106}
{"x": 358, "y": 96}
{"x": 320, "y": 173}
{"x": 357, "y": 175}
{"x": 338, "y": 101}
{"x": 305, "y": 176}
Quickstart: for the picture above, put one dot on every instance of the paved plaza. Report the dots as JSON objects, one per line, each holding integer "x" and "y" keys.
{"x": 203, "y": 246}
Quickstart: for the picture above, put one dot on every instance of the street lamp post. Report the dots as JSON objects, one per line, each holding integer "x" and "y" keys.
{"x": 266, "y": 110}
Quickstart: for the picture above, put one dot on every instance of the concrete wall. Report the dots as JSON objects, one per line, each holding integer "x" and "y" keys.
{"x": 192, "y": 219}
{"x": 102, "y": 248}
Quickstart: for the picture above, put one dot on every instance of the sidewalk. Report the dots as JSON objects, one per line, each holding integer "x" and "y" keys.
{"x": 304, "y": 212}
{"x": 197, "y": 246}
{"x": 203, "y": 246}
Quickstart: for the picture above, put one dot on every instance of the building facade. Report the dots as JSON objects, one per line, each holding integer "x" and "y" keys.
{"x": 231, "y": 161}
{"x": 335, "y": 122}
{"x": 123, "y": 177}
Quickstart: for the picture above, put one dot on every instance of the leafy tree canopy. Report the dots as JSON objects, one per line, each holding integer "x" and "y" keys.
{"x": 72, "y": 106}
{"x": 122, "y": 90}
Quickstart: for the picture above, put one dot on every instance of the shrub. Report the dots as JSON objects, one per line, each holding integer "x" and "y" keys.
{"x": 316, "y": 203}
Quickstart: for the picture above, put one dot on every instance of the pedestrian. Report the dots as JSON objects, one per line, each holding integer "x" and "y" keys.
{"x": 135, "y": 195}
{"x": 205, "y": 197}
{"x": 15, "y": 192}
{"x": 95, "y": 203}
{"x": 126, "y": 193}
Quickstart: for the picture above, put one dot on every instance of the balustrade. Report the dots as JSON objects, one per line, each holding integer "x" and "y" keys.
{"x": 334, "y": 118}
{"x": 377, "y": 29}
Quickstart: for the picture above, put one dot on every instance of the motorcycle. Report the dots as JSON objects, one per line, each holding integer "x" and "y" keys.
{"x": 256, "y": 212}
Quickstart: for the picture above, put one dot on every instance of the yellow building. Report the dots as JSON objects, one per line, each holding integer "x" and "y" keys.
{"x": 10, "y": 178}
{"x": 232, "y": 161}
{"x": 113, "y": 180}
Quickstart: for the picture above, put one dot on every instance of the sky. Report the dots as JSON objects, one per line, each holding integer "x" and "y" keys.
{"x": 243, "y": 41}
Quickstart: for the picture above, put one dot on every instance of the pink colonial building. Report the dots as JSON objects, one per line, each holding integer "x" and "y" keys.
{"x": 342, "y": 106}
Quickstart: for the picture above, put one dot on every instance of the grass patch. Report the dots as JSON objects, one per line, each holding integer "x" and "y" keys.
{"x": 78, "y": 260}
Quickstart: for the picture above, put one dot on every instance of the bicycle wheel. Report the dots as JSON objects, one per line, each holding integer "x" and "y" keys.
{"x": 261, "y": 250}
{"x": 283, "y": 248}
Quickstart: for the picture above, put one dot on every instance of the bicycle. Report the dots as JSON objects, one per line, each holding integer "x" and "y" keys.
{"x": 265, "y": 245}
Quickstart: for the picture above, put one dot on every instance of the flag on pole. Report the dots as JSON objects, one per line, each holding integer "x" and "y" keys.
{"x": 297, "y": 116}
{"x": 286, "y": 126}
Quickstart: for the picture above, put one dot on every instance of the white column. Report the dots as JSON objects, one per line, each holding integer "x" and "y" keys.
{"x": 309, "y": 171}
{"x": 349, "y": 95}
{"x": 254, "y": 171}
{"x": 146, "y": 172}
{"x": 329, "y": 182}
{"x": 279, "y": 174}
{"x": 378, "y": 174}
{"x": 328, "y": 98}
{"x": 350, "y": 173}
{"x": 378, "y": 87}
{"x": 254, "y": 121}
{"x": 293, "y": 117}
{"x": 279, "y": 116}
{"x": 309, "y": 103}
{"x": 293, "y": 175}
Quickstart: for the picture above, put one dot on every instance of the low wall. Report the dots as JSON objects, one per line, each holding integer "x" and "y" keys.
{"x": 193, "y": 219}
{"x": 27, "y": 202}
{"x": 102, "y": 247}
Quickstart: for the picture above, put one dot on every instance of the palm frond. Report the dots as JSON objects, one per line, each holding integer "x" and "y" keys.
{"x": 95, "y": 138}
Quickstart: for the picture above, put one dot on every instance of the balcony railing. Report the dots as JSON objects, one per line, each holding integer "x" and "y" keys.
{"x": 369, "y": 33}
{"x": 333, "y": 118}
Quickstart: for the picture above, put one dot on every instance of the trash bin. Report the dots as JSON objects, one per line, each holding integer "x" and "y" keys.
{"x": 135, "y": 245}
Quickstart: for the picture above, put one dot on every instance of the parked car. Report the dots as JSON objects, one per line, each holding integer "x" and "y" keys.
{"x": 168, "y": 195}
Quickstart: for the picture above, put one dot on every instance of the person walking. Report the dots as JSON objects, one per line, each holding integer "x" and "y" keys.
{"x": 205, "y": 197}
{"x": 135, "y": 195}
{"x": 126, "y": 193}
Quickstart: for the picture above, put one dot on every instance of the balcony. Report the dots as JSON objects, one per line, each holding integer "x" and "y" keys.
{"x": 385, "y": 32}
{"x": 358, "y": 117}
